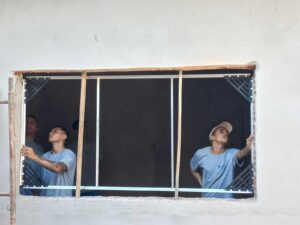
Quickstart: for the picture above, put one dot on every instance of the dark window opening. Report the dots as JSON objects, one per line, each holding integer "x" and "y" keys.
{"x": 135, "y": 120}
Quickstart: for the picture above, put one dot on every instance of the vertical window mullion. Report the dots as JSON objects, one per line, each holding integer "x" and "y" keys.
{"x": 172, "y": 131}
{"x": 97, "y": 131}
{"x": 179, "y": 133}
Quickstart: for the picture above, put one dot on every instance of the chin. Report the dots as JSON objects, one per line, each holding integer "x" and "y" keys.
{"x": 224, "y": 142}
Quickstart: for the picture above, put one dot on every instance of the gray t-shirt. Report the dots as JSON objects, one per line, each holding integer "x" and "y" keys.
{"x": 217, "y": 169}
{"x": 31, "y": 170}
{"x": 66, "y": 178}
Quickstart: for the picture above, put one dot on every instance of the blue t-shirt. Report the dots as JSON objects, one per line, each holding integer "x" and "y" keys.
{"x": 217, "y": 169}
{"x": 66, "y": 178}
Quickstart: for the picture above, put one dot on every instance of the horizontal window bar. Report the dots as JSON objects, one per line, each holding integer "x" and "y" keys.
{"x": 112, "y": 77}
{"x": 158, "y": 189}
{"x": 4, "y": 194}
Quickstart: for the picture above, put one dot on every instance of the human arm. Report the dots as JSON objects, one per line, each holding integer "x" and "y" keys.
{"x": 247, "y": 149}
{"x": 56, "y": 167}
{"x": 195, "y": 165}
{"x": 197, "y": 176}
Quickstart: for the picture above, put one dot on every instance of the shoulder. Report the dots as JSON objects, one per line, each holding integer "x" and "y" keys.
{"x": 68, "y": 152}
{"x": 232, "y": 151}
{"x": 203, "y": 151}
{"x": 37, "y": 148}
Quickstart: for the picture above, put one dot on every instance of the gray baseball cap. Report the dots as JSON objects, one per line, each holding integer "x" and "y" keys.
{"x": 223, "y": 124}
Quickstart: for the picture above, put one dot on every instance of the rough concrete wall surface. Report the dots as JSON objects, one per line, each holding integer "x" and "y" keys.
{"x": 114, "y": 34}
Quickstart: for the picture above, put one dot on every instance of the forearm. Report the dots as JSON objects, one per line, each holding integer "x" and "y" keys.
{"x": 56, "y": 167}
{"x": 197, "y": 177}
{"x": 243, "y": 152}
{"x": 247, "y": 149}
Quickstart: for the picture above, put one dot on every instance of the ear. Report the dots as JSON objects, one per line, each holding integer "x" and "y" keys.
{"x": 65, "y": 136}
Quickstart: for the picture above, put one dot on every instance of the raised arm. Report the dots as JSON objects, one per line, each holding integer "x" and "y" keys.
{"x": 247, "y": 149}
{"x": 56, "y": 167}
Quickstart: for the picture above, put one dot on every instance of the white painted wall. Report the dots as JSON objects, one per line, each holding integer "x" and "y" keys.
{"x": 127, "y": 33}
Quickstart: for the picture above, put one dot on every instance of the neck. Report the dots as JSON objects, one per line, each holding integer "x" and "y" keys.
{"x": 57, "y": 147}
{"x": 217, "y": 147}
{"x": 30, "y": 137}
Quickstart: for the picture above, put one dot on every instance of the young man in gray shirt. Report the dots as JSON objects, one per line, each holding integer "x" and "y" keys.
{"x": 217, "y": 162}
{"x": 57, "y": 166}
{"x": 31, "y": 168}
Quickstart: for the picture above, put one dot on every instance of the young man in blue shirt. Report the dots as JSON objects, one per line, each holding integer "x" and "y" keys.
{"x": 217, "y": 162}
{"x": 57, "y": 166}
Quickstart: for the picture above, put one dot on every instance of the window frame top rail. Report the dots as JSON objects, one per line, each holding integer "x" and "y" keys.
{"x": 250, "y": 67}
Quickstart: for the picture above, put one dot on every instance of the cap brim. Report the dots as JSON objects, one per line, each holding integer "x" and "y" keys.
{"x": 225, "y": 125}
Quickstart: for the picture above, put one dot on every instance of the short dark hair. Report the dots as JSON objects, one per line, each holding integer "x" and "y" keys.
{"x": 33, "y": 117}
{"x": 62, "y": 128}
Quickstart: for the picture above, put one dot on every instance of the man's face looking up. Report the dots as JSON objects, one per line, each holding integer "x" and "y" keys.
{"x": 220, "y": 135}
{"x": 57, "y": 135}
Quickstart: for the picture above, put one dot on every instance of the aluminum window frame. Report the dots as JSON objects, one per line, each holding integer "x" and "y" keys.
{"x": 174, "y": 183}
